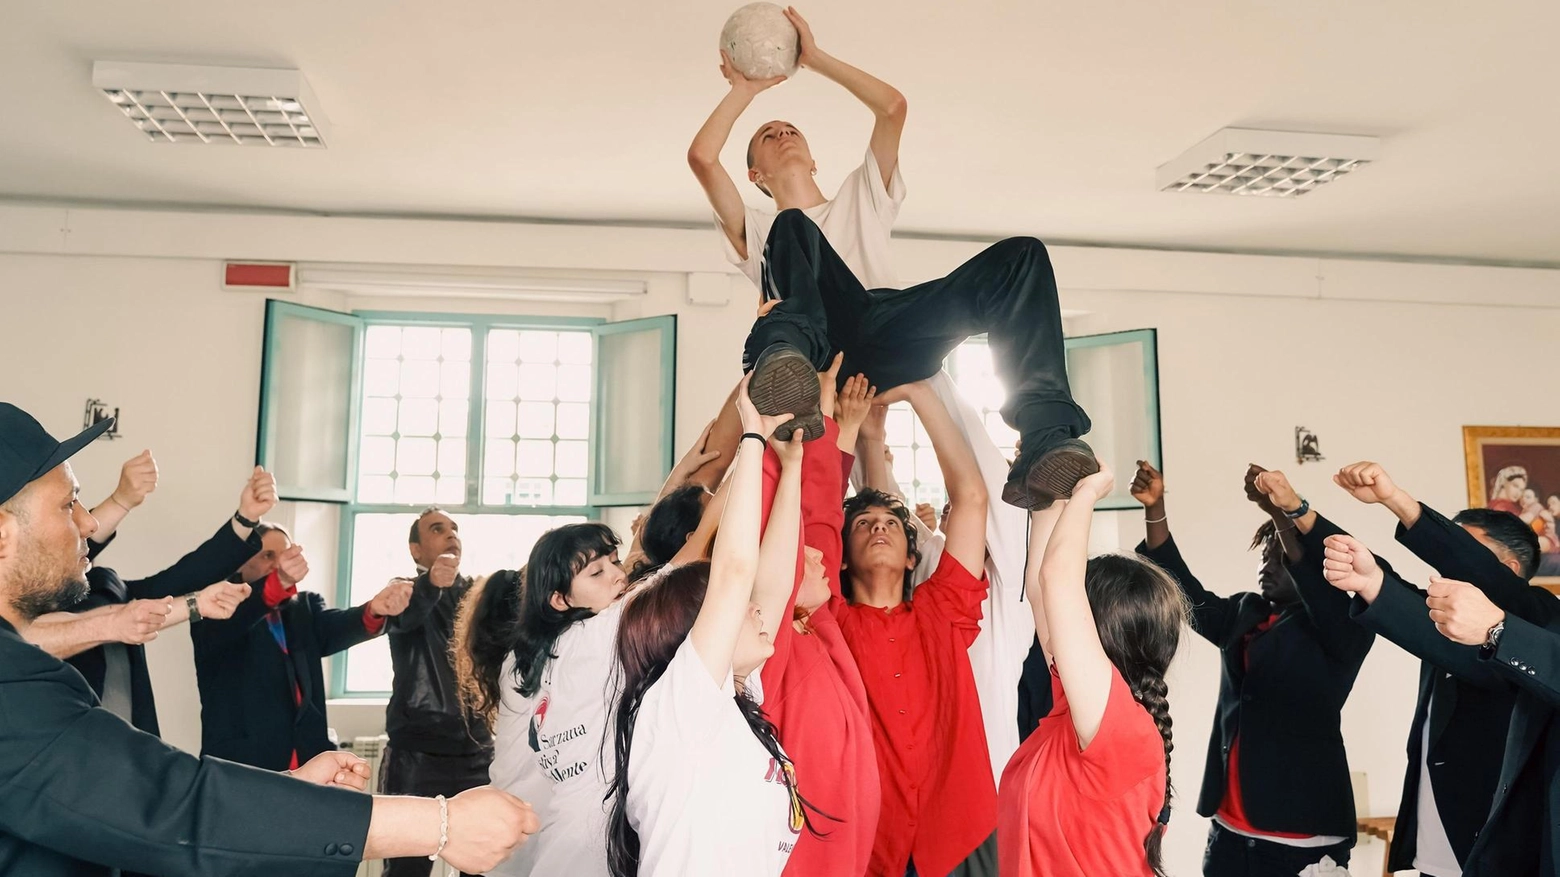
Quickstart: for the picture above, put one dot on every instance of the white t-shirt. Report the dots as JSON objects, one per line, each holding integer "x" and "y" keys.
{"x": 1433, "y": 853}
{"x": 705, "y": 796}
{"x": 559, "y": 746}
{"x": 856, "y": 223}
{"x": 514, "y": 771}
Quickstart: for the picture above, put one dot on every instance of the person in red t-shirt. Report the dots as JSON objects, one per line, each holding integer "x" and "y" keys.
{"x": 1087, "y": 793}
{"x": 939, "y": 804}
{"x": 813, "y": 691}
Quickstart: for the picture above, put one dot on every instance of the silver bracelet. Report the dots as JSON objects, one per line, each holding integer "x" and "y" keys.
{"x": 444, "y": 828}
{"x": 1156, "y": 520}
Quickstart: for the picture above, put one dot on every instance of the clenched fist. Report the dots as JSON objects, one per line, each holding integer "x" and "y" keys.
{"x": 444, "y": 570}
{"x": 393, "y": 599}
{"x": 292, "y": 566}
{"x": 137, "y": 479}
{"x": 138, "y": 621}
{"x": 258, "y": 497}
{"x": 220, "y": 600}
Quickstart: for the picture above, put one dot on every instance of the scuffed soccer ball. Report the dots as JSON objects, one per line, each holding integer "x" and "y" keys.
{"x": 761, "y": 41}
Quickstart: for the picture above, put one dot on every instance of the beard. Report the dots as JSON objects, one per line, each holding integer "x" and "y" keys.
{"x": 48, "y": 584}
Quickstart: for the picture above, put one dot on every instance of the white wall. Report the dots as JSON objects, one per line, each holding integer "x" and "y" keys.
{"x": 1385, "y": 361}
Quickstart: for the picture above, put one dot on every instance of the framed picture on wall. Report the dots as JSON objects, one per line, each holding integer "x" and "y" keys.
{"x": 1517, "y": 469}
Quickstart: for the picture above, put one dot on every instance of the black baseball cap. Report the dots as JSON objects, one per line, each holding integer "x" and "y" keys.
{"x": 28, "y": 452}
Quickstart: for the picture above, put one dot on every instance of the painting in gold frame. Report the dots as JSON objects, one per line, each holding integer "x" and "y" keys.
{"x": 1517, "y": 469}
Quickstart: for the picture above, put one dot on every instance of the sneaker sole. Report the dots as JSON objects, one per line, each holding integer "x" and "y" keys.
{"x": 788, "y": 384}
{"x": 1052, "y": 477}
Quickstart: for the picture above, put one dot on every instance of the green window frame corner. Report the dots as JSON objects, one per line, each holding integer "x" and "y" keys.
{"x": 270, "y": 364}
{"x": 1149, "y": 340}
{"x": 600, "y": 495}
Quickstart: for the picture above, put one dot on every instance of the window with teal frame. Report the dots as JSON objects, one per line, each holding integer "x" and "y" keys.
{"x": 506, "y": 423}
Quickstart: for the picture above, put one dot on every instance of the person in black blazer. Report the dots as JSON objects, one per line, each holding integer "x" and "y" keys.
{"x": 1459, "y": 629}
{"x": 1458, "y": 735}
{"x": 260, "y": 673}
{"x": 83, "y": 794}
{"x": 1276, "y": 782}
{"x": 103, "y": 635}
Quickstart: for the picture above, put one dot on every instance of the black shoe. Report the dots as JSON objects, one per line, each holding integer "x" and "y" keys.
{"x": 1049, "y": 472}
{"x": 785, "y": 382}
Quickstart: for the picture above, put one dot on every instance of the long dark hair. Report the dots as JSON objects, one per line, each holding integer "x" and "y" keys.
{"x": 509, "y": 615}
{"x": 484, "y": 634}
{"x": 1139, "y": 612}
{"x": 655, "y": 623}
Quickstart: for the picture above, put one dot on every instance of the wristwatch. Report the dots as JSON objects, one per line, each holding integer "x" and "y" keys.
{"x": 193, "y": 602}
{"x": 244, "y": 522}
{"x": 1297, "y": 514}
{"x": 1492, "y": 640}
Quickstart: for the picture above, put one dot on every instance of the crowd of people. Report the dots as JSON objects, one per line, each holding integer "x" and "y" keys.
{"x": 787, "y": 670}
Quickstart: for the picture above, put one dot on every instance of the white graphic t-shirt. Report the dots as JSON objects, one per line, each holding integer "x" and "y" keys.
{"x": 705, "y": 796}
{"x": 561, "y": 741}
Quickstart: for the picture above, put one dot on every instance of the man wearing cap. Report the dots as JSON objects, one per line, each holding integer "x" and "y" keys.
{"x": 83, "y": 794}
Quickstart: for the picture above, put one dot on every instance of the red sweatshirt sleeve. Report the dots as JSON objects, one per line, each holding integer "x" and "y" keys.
{"x": 374, "y": 624}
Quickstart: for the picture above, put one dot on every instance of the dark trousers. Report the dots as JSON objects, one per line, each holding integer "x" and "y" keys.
{"x": 1233, "y": 855}
{"x": 981, "y": 863}
{"x": 403, "y": 772}
{"x": 895, "y": 336}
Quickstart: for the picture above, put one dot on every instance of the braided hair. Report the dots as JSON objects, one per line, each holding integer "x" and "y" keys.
{"x": 1139, "y": 612}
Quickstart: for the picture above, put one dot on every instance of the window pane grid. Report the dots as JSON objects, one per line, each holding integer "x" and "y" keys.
{"x": 915, "y": 463}
{"x": 537, "y": 395}
{"x": 416, "y": 398}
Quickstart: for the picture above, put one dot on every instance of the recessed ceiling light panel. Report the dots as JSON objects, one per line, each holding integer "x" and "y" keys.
{"x": 181, "y": 103}
{"x": 1276, "y": 164}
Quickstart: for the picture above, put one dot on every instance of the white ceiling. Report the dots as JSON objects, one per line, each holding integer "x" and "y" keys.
{"x": 1043, "y": 118}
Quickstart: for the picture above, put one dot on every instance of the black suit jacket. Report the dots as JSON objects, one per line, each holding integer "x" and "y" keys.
{"x": 1522, "y": 832}
{"x": 247, "y": 708}
{"x": 1514, "y": 839}
{"x": 83, "y": 794}
{"x": 1282, "y": 695}
{"x": 1467, "y": 728}
{"x": 213, "y": 561}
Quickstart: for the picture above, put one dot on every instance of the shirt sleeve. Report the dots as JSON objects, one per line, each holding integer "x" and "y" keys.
{"x": 885, "y": 201}
{"x": 372, "y": 623}
{"x": 686, "y": 708}
{"x": 755, "y": 244}
{"x": 168, "y": 812}
{"x": 1125, "y": 751}
{"x": 955, "y": 596}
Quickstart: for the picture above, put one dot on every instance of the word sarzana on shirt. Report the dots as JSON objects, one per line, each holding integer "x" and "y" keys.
{"x": 542, "y": 744}
{"x": 782, "y": 773}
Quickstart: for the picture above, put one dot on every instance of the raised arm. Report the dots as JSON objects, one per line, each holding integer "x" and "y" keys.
{"x": 137, "y": 479}
{"x": 1081, "y": 661}
{"x": 1387, "y": 605}
{"x": 734, "y": 561}
{"x": 704, "y": 153}
{"x": 886, "y": 103}
{"x": 68, "y": 634}
{"x": 965, "y": 527}
{"x": 1041, "y": 525}
{"x": 777, "y": 553}
{"x": 1212, "y": 615}
{"x": 1453, "y": 551}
